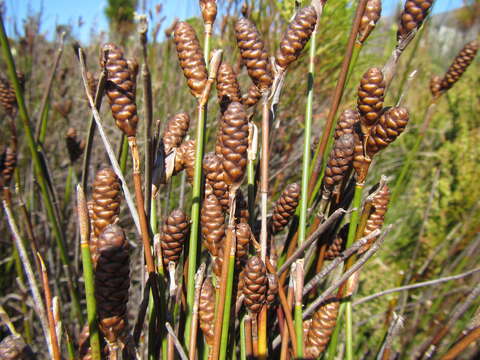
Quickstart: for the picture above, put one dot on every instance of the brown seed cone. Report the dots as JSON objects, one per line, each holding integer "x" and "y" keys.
{"x": 436, "y": 86}
{"x": 285, "y": 208}
{"x": 8, "y": 162}
{"x": 106, "y": 198}
{"x": 296, "y": 36}
{"x": 93, "y": 240}
{"x": 209, "y": 10}
{"x": 190, "y": 56}
{"x": 272, "y": 289}
{"x": 252, "y": 97}
{"x": 255, "y": 283}
{"x": 92, "y": 82}
{"x": 214, "y": 175}
{"x": 241, "y": 208}
{"x": 361, "y": 163}
{"x": 112, "y": 280}
{"x": 346, "y": 123}
{"x": 371, "y": 15}
{"x": 213, "y": 224}
{"x": 234, "y": 143}
{"x": 412, "y": 17}
{"x": 243, "y": 234}
{"x": 206, "y": 310}
{"x": 387, "y": 129}
{"x": 321, "y": 328}
{"x": 185, "y": 159}
{"x": 228, "y": 89}
{"x": 175, "y": 232}
{"x": 8, "y": 99}
{"x": 337, "y": 246}
{"x": 120, "y": 89}
{"x": 13, "y": 347}
{"x": 460, "y": 64}
{"x": 75, "y": 147}
{"x": 370, "y": 98}
{"x": 175, "y": 131}
{"x": 339, "y": 161}
{"x": 253, "y": 54}
{"x": 377, "y": 217}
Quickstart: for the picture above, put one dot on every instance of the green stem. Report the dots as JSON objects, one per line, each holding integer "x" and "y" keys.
{"x": 68, "y": 187}
{"x": 40, "y": 171}
{"x": 124, "y": 154}
{"x": 195, "y": 216}
{"x": 332, "y": 346}
{"x": 43, "y": 123}
{"x": 299, "y": 331}
{"x": 227, "y": 310}
{"x": 243, "y": 340}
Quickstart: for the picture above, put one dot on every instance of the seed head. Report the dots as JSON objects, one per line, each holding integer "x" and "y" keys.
{"x": 185, "y": 159}
{"x": 460, "y": 64}
{"x": 339, "y": 162}
{"x": 228, "y": 89}
{"x": 174, "y": 233}
{"x": 213, "y": 224}
{"x": 243, "y": 234}
{"x": 175, "y": 131}
{"x": 346, "y": 123}
{"x": 370, "y": 98}
{"x": 436, "y": 86}
{"x": 321, "y": 328}
{"x": 214, "y": 175}
{"x": 252, "y": 97}
{"x": 209, "y": 11}
{"x": 412, "y": 17}
{"x": 206, "y": 310}
{"x": 255, "y": 284}
{"x": 372, "y": 13}
{"x": 285, "y": 208}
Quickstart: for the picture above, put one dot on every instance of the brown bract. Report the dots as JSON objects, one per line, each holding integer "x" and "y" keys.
{"x": 191, "y": 59}
{"x": 284, "y": 208}
{"x": 321, "y": 328}
{"x": 120, "y": 89}
{"x": 412, "y": 17}
{"x": 175, "y": 131}
{"x": 174, "y": 233}
{"x": 361, "y": 162}
{"x": 371, "y": 15}
{"x": 234, "y": 143}
{"x": 228, "y": 89}
{"x": 253, "y": 53}
{"x": 112, "y": 281}
{"x": 370, "y": 98}
{"x": 106, "y": 196}
{"x": 296, "y": 36}
{"x": 255, "y": 284}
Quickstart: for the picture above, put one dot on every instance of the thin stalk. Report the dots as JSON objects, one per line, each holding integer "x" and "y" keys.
{"x": 198, "y": 287}
{"x": 123, "y": 157}
{"x": 252, "y": 157}
{"x": 298, "y": 311}
{"x": 243, "y": 340}
{"x": 228, "y": 302}
{"x": 88, "y": 276}
{"x": 207, "y": 35}
{"x": 462, "y": 344}
{"x": 332, "y": 346}
{"x": 48, "y": 303}
{"x": 197, "y": 191}
{"x": 40, "y": 171}
{"x": 248, "y": 337}
{"x": 68, "y": 186}
{"x": 262, "y": 334}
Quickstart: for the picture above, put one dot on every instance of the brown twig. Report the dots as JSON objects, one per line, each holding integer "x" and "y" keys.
{"x": 176, "y": 342}
{"x": 461, "y": 345}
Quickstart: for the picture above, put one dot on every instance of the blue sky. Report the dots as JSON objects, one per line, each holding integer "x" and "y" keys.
{"x": 92, "y": 15}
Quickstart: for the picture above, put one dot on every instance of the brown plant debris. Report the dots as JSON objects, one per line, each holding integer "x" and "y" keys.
{"x": 112, "y": 280}
{"x": 120, "y": 89}
{"x": 253, "y": 53}
{"x": 174, "y": 233}
{"x": 284, "y": 208}
{"x": 175, "y": 131}
{"x": 190, "y": 56}
{"x": 255, "y": 284}
{"x": 296, "y": 36}
{"x": 371, "y": 15}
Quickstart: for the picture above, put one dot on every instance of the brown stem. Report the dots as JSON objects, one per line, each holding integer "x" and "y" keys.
{"x": 337, "y": 96}
{"x": 254, "y": 335}
{"x": 194, "y": 327}
{"x": 264, "y": 176}
{"x": 290, "y": 333}
{"x": 462, "y": 344}
{"x": 248, "y": 337}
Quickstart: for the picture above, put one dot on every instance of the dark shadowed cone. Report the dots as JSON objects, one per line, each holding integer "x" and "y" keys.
{"x": 296, "y": 36}
{"x": 272, "y": 289}
{"x": 253, "y": 53}
{"x": 234, "y": 143}
{"x": 174, "y": 233}
{"x": 209, "y": 10}
{"x": 112, "y": 280}
{"x": 8, "y": 162}
{"x": 339, "y": 161}
{"x": 93, "y": 240}
{"x": 175, "y": 131}
{"x": 8, "y": 99}
{"x": 460, "y": 64}
{"x": 336, "y": 247}
{"x": 241, "y": 208}
{"x": 252, "y": 97}
{"x": 191, "y": 59}
{"x": 228, "y": 89}
{"x": 92, "y": 82}
{"x": 285, "y": 208}
{"x": 371, "y": 15}
{"x": 206, "y": 310}
{"x": 120, "y": 89}
{"x": 74, "y": 146}
{"x": 106, "y": 199}
{"x": 243, "y": 234}
{"x": 436, "y": 86}
{"x": 213, "y": 224}
{"x": 361, "y": 163}
{"x": 185, "y": 159}
{"x": 377, "y": 217}
{"x": 387, "y": 129}
{"x": 214, "y": 175}
{"x": 255, "y": 284}
{"x": 346, "y": 122}
{"x": 370, "y": 98}
{"x": 13, "y": 347}
{"x": 321, "y": 328}
{"x": 412, "y": 17}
